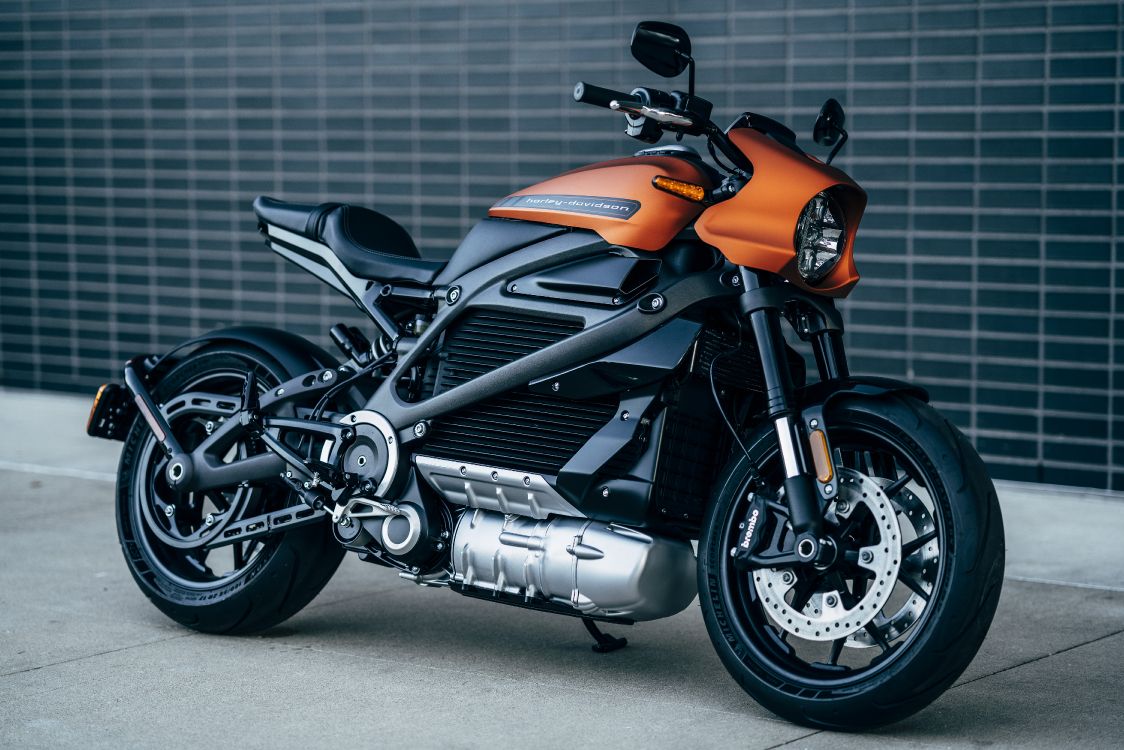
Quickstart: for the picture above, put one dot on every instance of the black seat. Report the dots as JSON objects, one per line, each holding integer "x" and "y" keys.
{"x": 369, "y": 244}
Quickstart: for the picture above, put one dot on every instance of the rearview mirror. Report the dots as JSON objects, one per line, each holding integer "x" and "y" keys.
{"x": 829, "y": 125}
{"x": 663, "y": 48}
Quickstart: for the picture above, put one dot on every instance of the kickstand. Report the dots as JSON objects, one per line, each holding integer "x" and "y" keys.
{"x": 605, "y": 642}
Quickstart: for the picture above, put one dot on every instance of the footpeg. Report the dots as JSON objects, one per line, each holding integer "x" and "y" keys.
{"x": 308, "y": 493}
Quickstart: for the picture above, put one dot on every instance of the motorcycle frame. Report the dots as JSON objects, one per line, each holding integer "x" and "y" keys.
{"x": 761, "y": 296}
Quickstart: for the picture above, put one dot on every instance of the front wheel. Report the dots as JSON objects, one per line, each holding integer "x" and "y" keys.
{"x": 897, "y": 617}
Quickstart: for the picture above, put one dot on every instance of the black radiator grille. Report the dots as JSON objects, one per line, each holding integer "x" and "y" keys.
{"x": 487, "y": 339}
{"x": 517, "y": 430}
{"x": 696, "y": 447}
{"x": 739, "y": 369}
{"x": 522, "y": 431}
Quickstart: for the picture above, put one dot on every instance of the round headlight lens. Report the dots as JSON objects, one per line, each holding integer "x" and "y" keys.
{"x": 819, "y": 238}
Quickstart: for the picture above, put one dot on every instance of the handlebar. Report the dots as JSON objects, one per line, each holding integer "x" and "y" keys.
{"x": 678, "y": 112}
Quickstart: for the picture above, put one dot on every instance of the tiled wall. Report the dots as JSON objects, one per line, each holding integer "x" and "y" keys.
{"x": 133, "y": 136}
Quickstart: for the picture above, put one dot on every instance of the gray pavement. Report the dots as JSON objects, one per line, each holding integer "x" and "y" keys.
{"x": 86, "y": 661}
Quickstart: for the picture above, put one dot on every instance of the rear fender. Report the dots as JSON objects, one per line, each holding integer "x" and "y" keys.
{"x": 815, "y": 400}
{"x": 114, "y": 409}
{"x": 294, "y": 353}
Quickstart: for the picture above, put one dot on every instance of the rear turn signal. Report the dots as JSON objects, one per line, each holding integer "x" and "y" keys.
{"x": 695, "y": 193}
{"x": 94, "y": 408}
{"x": 824, "y": 470}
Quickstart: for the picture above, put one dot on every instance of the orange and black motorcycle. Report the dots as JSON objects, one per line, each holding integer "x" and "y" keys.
{"x": 596, "y": 379}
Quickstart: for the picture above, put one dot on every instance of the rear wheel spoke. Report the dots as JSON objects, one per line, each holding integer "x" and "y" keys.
{"x": 222, "y": 505}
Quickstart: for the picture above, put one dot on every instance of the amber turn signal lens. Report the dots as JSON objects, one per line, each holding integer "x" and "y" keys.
{"x": 94, "y": 406}
{"x": 691, "y": 192}
{"x": 824, "y": 470}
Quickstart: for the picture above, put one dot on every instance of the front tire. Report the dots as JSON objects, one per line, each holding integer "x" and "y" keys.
{"x": 954, "y": 567}
{"x": 242, "y": 588}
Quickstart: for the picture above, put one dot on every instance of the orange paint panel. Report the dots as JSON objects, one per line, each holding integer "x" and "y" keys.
{"x": 757, "y": 227}
{"x": 615, "y": 198}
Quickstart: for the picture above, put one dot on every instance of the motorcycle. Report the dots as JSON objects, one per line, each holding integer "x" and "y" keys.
{"x": 595, "y": 385}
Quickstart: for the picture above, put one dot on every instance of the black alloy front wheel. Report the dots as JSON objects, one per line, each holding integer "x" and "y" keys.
{"x": 897, "y": 617}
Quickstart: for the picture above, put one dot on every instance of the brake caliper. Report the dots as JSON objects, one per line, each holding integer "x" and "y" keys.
{"x": 752, "y": 530}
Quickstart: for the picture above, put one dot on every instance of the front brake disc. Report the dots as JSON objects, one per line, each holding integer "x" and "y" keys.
{"x": 826, "y": 617}
{"x": 920, "y": 567}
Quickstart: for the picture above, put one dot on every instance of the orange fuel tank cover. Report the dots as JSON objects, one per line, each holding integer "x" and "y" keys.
{"x": 616, "y": 199}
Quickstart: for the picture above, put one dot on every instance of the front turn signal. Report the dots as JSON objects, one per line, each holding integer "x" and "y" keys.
{"x": 824, "y": 470}
{"x": 688, "y": 190}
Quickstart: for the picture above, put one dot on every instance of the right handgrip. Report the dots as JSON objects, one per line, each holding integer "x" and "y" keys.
{"x": 587, "y": 93}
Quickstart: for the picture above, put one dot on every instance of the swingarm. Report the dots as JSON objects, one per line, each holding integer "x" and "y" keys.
{"x": 203, "y": 468}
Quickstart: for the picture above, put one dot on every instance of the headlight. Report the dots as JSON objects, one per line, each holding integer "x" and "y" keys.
{"x": 819, "y": 238}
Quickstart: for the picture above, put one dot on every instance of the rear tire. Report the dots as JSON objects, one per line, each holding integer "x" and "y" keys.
{"x": 934, "y": 649}
{"x": 278, "y": 576}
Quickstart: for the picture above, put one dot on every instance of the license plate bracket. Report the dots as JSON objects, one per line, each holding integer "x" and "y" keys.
{"x": 112, "y": 413}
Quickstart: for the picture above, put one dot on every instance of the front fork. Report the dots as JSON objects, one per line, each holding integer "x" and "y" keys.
{"x": 805, "y": 453}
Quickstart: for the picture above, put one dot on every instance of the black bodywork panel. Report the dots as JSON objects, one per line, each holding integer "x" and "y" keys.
{"x": 610, "y": 279}
{"x": 493, "y": 238}
{"x": 647, "y": 361}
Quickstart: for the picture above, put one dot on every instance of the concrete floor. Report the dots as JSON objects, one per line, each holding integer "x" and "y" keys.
{"x": 86, "y": 661}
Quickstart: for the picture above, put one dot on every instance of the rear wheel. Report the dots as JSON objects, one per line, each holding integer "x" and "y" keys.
{"x": 881, "y": 632}
{"x": 167, "y": 536}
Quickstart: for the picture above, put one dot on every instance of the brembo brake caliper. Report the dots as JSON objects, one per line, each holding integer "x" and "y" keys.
{"x": 752, "y": 532}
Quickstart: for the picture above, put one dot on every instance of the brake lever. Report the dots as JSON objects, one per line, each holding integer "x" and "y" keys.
{"x": 658, "y": 114}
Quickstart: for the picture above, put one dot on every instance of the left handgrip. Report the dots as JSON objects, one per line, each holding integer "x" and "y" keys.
{"x": 587, "y": 93}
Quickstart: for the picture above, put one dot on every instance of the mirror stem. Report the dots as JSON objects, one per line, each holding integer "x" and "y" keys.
{"x": 839, "y": 145}
{"x": 690, "y": 73}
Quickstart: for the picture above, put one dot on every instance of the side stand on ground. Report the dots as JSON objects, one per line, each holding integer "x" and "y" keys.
{"x": 605, "y": 642}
